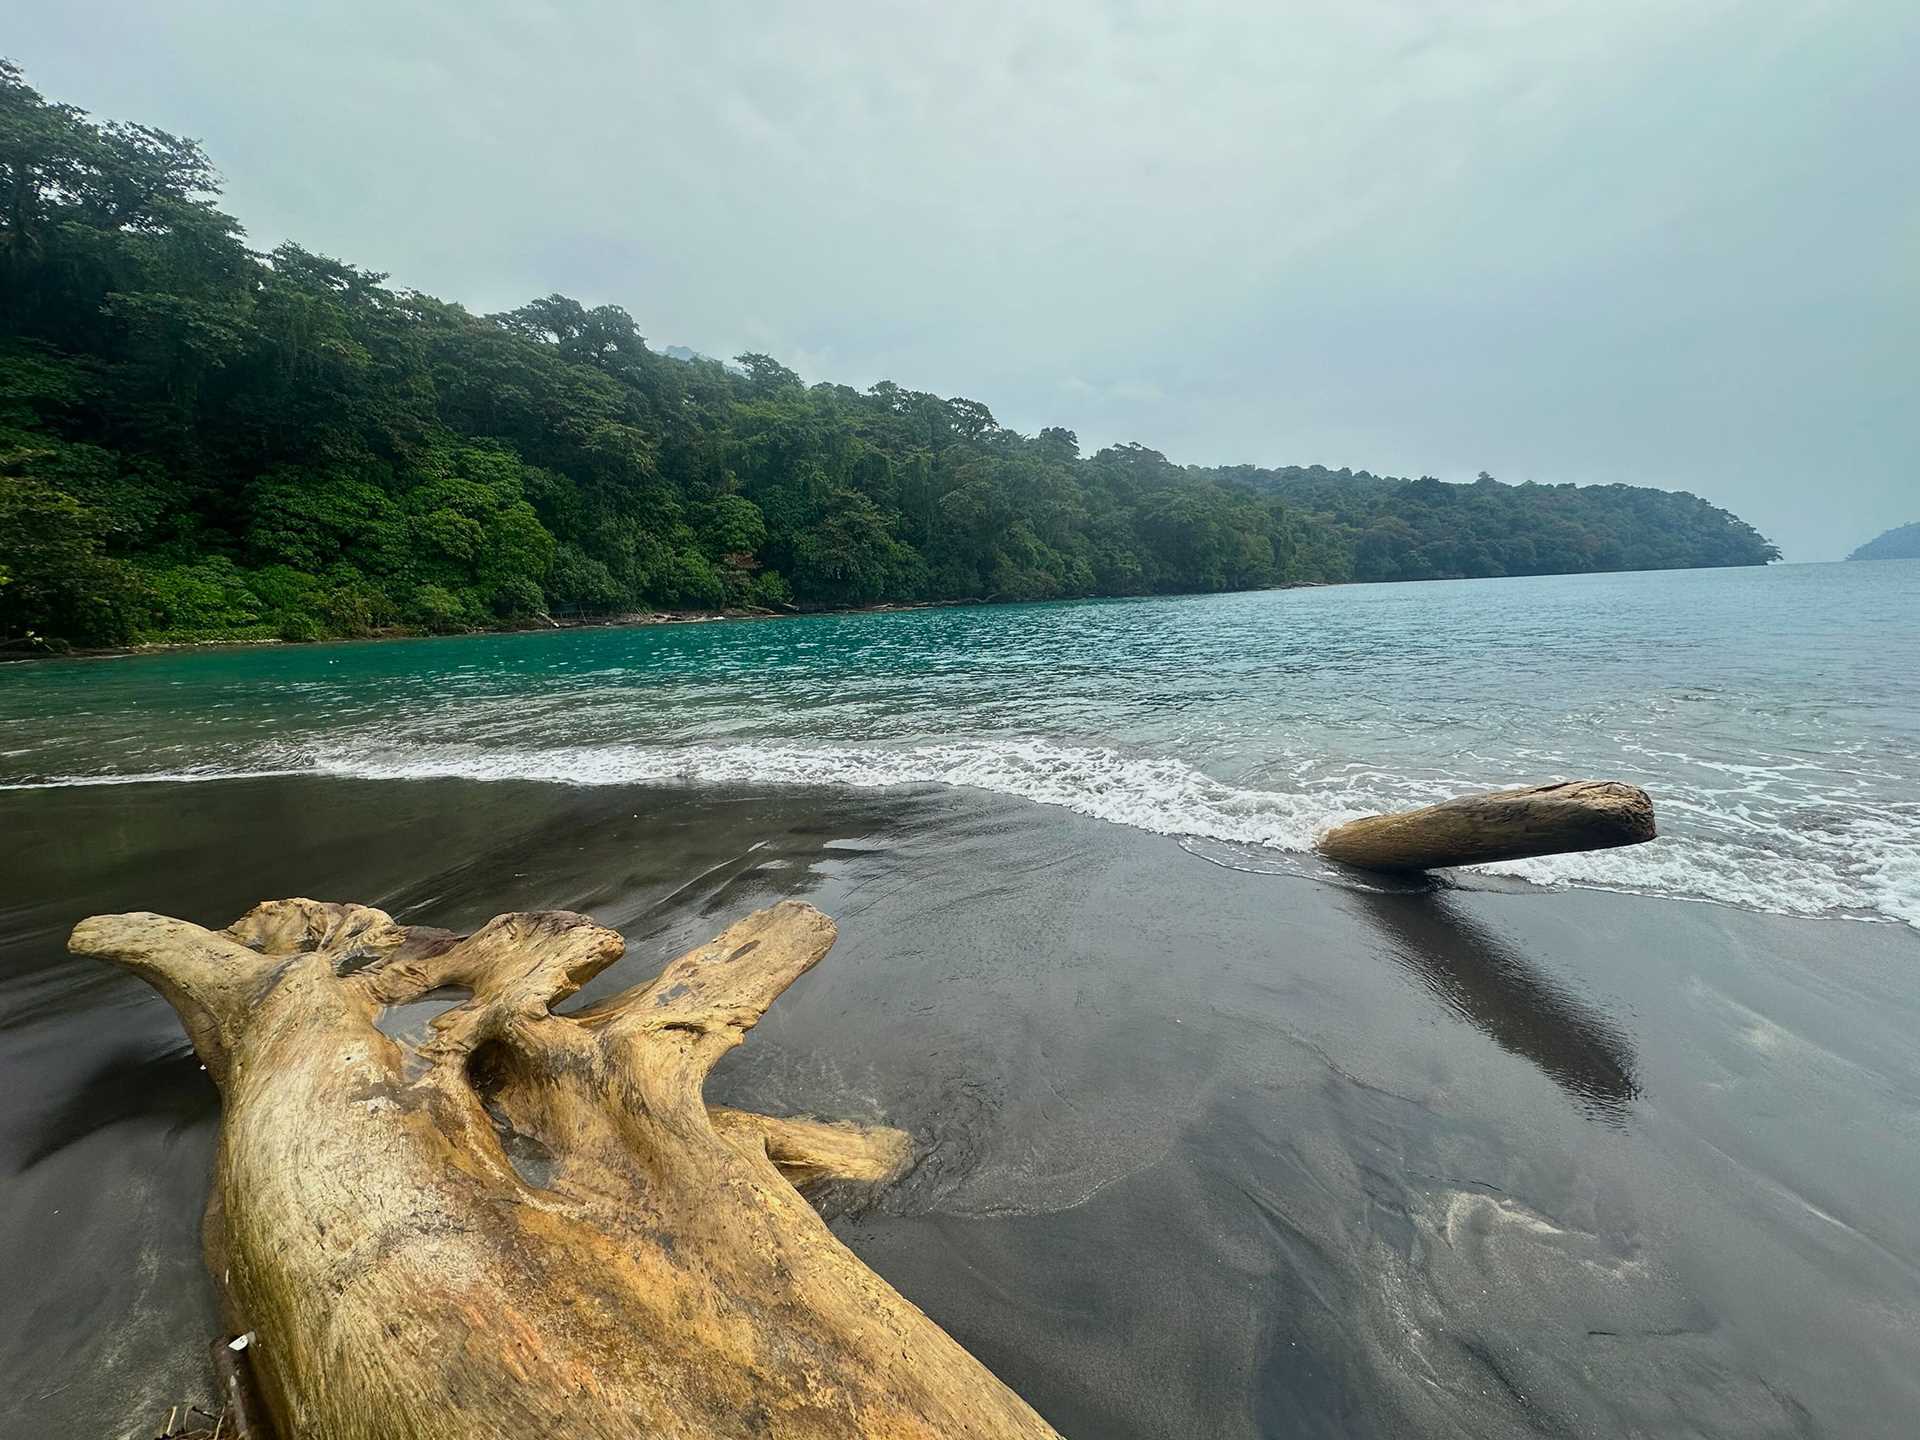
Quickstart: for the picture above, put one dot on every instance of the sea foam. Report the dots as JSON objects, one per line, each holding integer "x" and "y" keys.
{"x": 1861, "y": 866}
{"x": 1865, "y": 867}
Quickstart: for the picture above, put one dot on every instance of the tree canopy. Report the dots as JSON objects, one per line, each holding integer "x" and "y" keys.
{"x": 201, "y": 441}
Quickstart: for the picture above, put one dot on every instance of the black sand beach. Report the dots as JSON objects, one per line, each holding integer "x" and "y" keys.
{"x": 1204, "y": 1153}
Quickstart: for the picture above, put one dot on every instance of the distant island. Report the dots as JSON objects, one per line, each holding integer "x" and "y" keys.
{"x": 201, "y": 442}
{"x": 1900, "y": 543}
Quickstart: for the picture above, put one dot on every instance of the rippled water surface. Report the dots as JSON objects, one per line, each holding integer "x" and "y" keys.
{"x": 1199, "y": 1151}
{"x": 1774, "y": 714}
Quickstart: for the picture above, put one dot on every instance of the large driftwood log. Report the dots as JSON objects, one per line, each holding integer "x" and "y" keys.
{"x": 1503, "y": 825}
{"x": 527, "y": 1224}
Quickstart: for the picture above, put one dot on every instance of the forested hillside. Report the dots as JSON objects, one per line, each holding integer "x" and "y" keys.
{"x": 1426, "y": 530}
{"x": 197, "y": 440}
{"x": 1900, "y": 543}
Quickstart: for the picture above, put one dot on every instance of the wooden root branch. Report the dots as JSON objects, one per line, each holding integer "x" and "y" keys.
{"x": 1503, "y": 825}
{"x": 526, "y": 1223}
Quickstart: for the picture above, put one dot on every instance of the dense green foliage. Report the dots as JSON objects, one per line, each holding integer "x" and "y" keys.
{"x": 1426, "y": 530}
{"x": 1900, "y": 543}
{"x": 200, "y": 441}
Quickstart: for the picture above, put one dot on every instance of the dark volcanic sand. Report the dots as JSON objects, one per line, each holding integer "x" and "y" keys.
{"x": 1206, "y": 1153}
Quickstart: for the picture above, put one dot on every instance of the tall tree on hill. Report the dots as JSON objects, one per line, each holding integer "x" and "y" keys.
{"x": 197, "y": 440}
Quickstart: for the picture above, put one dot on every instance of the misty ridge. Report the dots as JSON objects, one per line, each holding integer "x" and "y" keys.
{"x": 1900, "y": 543}
{"x": 199, "y": 441}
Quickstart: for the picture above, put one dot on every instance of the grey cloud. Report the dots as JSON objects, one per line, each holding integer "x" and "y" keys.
{"x": 1661, "y": 244}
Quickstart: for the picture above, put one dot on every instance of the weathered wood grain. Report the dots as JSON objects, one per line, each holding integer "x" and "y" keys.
{"x": 527, "y": 1223}
{"x": 1503, "y": 825}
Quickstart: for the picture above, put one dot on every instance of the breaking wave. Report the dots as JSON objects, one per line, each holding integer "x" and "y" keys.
{"x": 1862, "y": 864}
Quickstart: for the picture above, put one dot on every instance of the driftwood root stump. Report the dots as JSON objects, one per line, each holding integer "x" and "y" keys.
{"x": 526, "y": 1223}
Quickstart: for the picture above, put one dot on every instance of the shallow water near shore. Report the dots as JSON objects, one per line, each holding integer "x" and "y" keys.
{"x": 1774, "y": 714}
{"x": 1201, "y": 1151}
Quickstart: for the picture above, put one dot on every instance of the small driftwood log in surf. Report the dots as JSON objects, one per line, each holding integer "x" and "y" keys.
{"x": 527, "y": 1224}
{"x": 1503, "y": 825}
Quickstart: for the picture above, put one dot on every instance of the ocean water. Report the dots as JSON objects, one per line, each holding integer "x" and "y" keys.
{"x": 1201, "y": 1148}
{"x": 1773, "y": 714}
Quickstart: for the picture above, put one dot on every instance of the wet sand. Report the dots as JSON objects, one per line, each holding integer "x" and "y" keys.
{"x": 1203, "y": 1153}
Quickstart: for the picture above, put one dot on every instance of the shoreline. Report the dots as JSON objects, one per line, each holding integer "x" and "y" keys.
{"x": 1513, "y": 1121}
{"x": 1240, "y": 720}
{"x": 11, "y": 651}
{"x": 1299, "y": 865}
{"x": 635, "y": 620}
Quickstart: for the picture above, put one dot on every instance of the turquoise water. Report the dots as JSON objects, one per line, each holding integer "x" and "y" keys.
{"x": 1774, "y": 714}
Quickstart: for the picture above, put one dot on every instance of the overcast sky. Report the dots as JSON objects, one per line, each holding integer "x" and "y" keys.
{"x": 1667, "y": 242}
